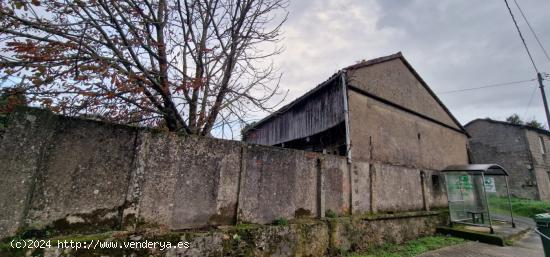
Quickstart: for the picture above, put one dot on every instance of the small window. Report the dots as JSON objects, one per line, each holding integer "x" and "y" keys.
{"x": 542, "y": 147}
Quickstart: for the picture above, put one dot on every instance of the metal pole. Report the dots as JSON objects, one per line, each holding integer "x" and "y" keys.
{"x": 486, "y": 202}
{"x": 509, "y": 202}
{"x": 541, "y": 86}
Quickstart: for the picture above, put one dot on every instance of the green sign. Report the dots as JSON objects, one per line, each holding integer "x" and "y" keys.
{"x": 462, "y": 183}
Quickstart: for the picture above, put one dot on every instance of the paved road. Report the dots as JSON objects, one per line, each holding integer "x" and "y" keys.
{"x": 529, "y": 246}
{"x": 520, "y": 221}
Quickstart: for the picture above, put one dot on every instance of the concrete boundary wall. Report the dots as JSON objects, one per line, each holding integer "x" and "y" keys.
{"x": 312, "y": 237}
{"x": 70, "y": 174}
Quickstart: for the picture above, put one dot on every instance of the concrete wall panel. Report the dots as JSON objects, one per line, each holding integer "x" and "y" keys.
{"x": 361, "y": 190}
{"x": 188, "y": 182}
{"x": 397, "y": 188}
{"x": 336, "y": 184}
{"x": 278, "y": 183}
{"x": 436, "y": 189}
{"x": 28, "y": 132}
{"x": 84, "y": 175}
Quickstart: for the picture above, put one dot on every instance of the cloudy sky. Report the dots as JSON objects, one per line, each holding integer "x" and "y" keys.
{"x": 453, "y": 44}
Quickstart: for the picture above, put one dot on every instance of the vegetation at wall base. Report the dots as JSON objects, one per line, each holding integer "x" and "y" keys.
{"x": 331, "y": 214}
{"x": 411, "y": 248}
{"x": 281, "y": 222}
{"x": 521, "y": 207}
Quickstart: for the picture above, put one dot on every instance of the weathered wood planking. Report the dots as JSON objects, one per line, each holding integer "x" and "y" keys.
{"x": 316, "y": 113}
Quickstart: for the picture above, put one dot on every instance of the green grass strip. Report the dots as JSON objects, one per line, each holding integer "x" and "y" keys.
{"x": 411, "y": 248}
{"x": 521, "y": 207}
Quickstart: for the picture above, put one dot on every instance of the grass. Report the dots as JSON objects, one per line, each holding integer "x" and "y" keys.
{"x": 281, "y": 222}
{"x": 411, "y": 248}
{"x": 520, "y": 207}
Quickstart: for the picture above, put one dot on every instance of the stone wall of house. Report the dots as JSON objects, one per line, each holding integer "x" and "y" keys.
{"x": 383, "y": 133}
{"x": 393, "y": 80}
{"x": 70, "y": 174}
{"x": 507, "y": 146}
{"x": 539, "y": 144}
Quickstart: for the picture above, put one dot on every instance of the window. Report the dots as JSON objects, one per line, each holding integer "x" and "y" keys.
{"x": 542, "y": 147}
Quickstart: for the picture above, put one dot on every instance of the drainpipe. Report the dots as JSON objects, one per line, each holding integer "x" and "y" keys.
{"x": 346, "y": 114}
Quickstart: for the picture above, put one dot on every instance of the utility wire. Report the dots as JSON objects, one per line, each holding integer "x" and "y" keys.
{"x": 530, "y": 100}
{"x": 532, "y": 31}
{"x": 486, "y": 86}
{"x": 521, "y": 36}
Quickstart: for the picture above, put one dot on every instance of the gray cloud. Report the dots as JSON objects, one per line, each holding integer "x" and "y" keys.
{"x": 453, "y": 44}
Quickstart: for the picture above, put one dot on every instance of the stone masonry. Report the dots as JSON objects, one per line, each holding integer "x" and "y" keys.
{"x": 519, "y": 149}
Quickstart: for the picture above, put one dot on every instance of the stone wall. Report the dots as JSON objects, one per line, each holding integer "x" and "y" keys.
{"x": 68, "y": 174}
{"x": 507, "y": 146}
{"x": 326, "y": 237}
{"x": 541, "y": 161}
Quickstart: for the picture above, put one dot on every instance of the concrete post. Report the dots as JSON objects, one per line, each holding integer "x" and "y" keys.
{"x": 320, "y": 189}
{"x": 424, "y": 191}
{"x": 372, "y": 174}
{"x": 242, "y": 172}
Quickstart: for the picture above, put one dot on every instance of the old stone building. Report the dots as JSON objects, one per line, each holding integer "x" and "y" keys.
{"x": 375, "y": 111}
{"x": 520, "y": 149}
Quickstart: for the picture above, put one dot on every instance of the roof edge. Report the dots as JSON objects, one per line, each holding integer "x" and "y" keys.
{"x": 378, "y": 60}
{"x": 431, "y": 92}
{"x": 521, "y": 126}
{"x": 485, "y": 168}
{"x": 400, "y": 56}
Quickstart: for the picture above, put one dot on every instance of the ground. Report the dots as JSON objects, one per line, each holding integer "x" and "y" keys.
{"x": 529, "y": 246}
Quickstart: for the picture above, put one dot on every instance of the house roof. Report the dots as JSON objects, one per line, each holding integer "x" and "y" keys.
{"x": 359, "y": 65}
{"x": 293, "y": 103}
{"x": 538, "y": 130}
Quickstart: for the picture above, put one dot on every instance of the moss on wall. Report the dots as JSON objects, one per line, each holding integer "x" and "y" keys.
{"x": 301, "y": 237}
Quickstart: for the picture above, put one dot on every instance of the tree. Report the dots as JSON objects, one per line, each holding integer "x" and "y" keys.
{"x": 10, "y": 98}
{"x": 188, "y": 64}
{"x": 534, "y": 124}
{"x": 514, "y": 119}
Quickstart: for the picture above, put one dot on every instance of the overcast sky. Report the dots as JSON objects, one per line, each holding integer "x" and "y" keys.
{"x": 453, "y": 44}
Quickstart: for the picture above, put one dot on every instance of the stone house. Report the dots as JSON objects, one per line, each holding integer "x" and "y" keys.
{"x": 378, "y": 111}
{"x": 520, "y": 149}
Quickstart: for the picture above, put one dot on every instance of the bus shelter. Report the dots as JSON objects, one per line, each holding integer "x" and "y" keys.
{"x": 468, "y": 190}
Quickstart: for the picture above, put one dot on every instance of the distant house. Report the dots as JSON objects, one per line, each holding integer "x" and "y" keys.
{"x": 520, "y": 149}
{"x": 376, "y": 111}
